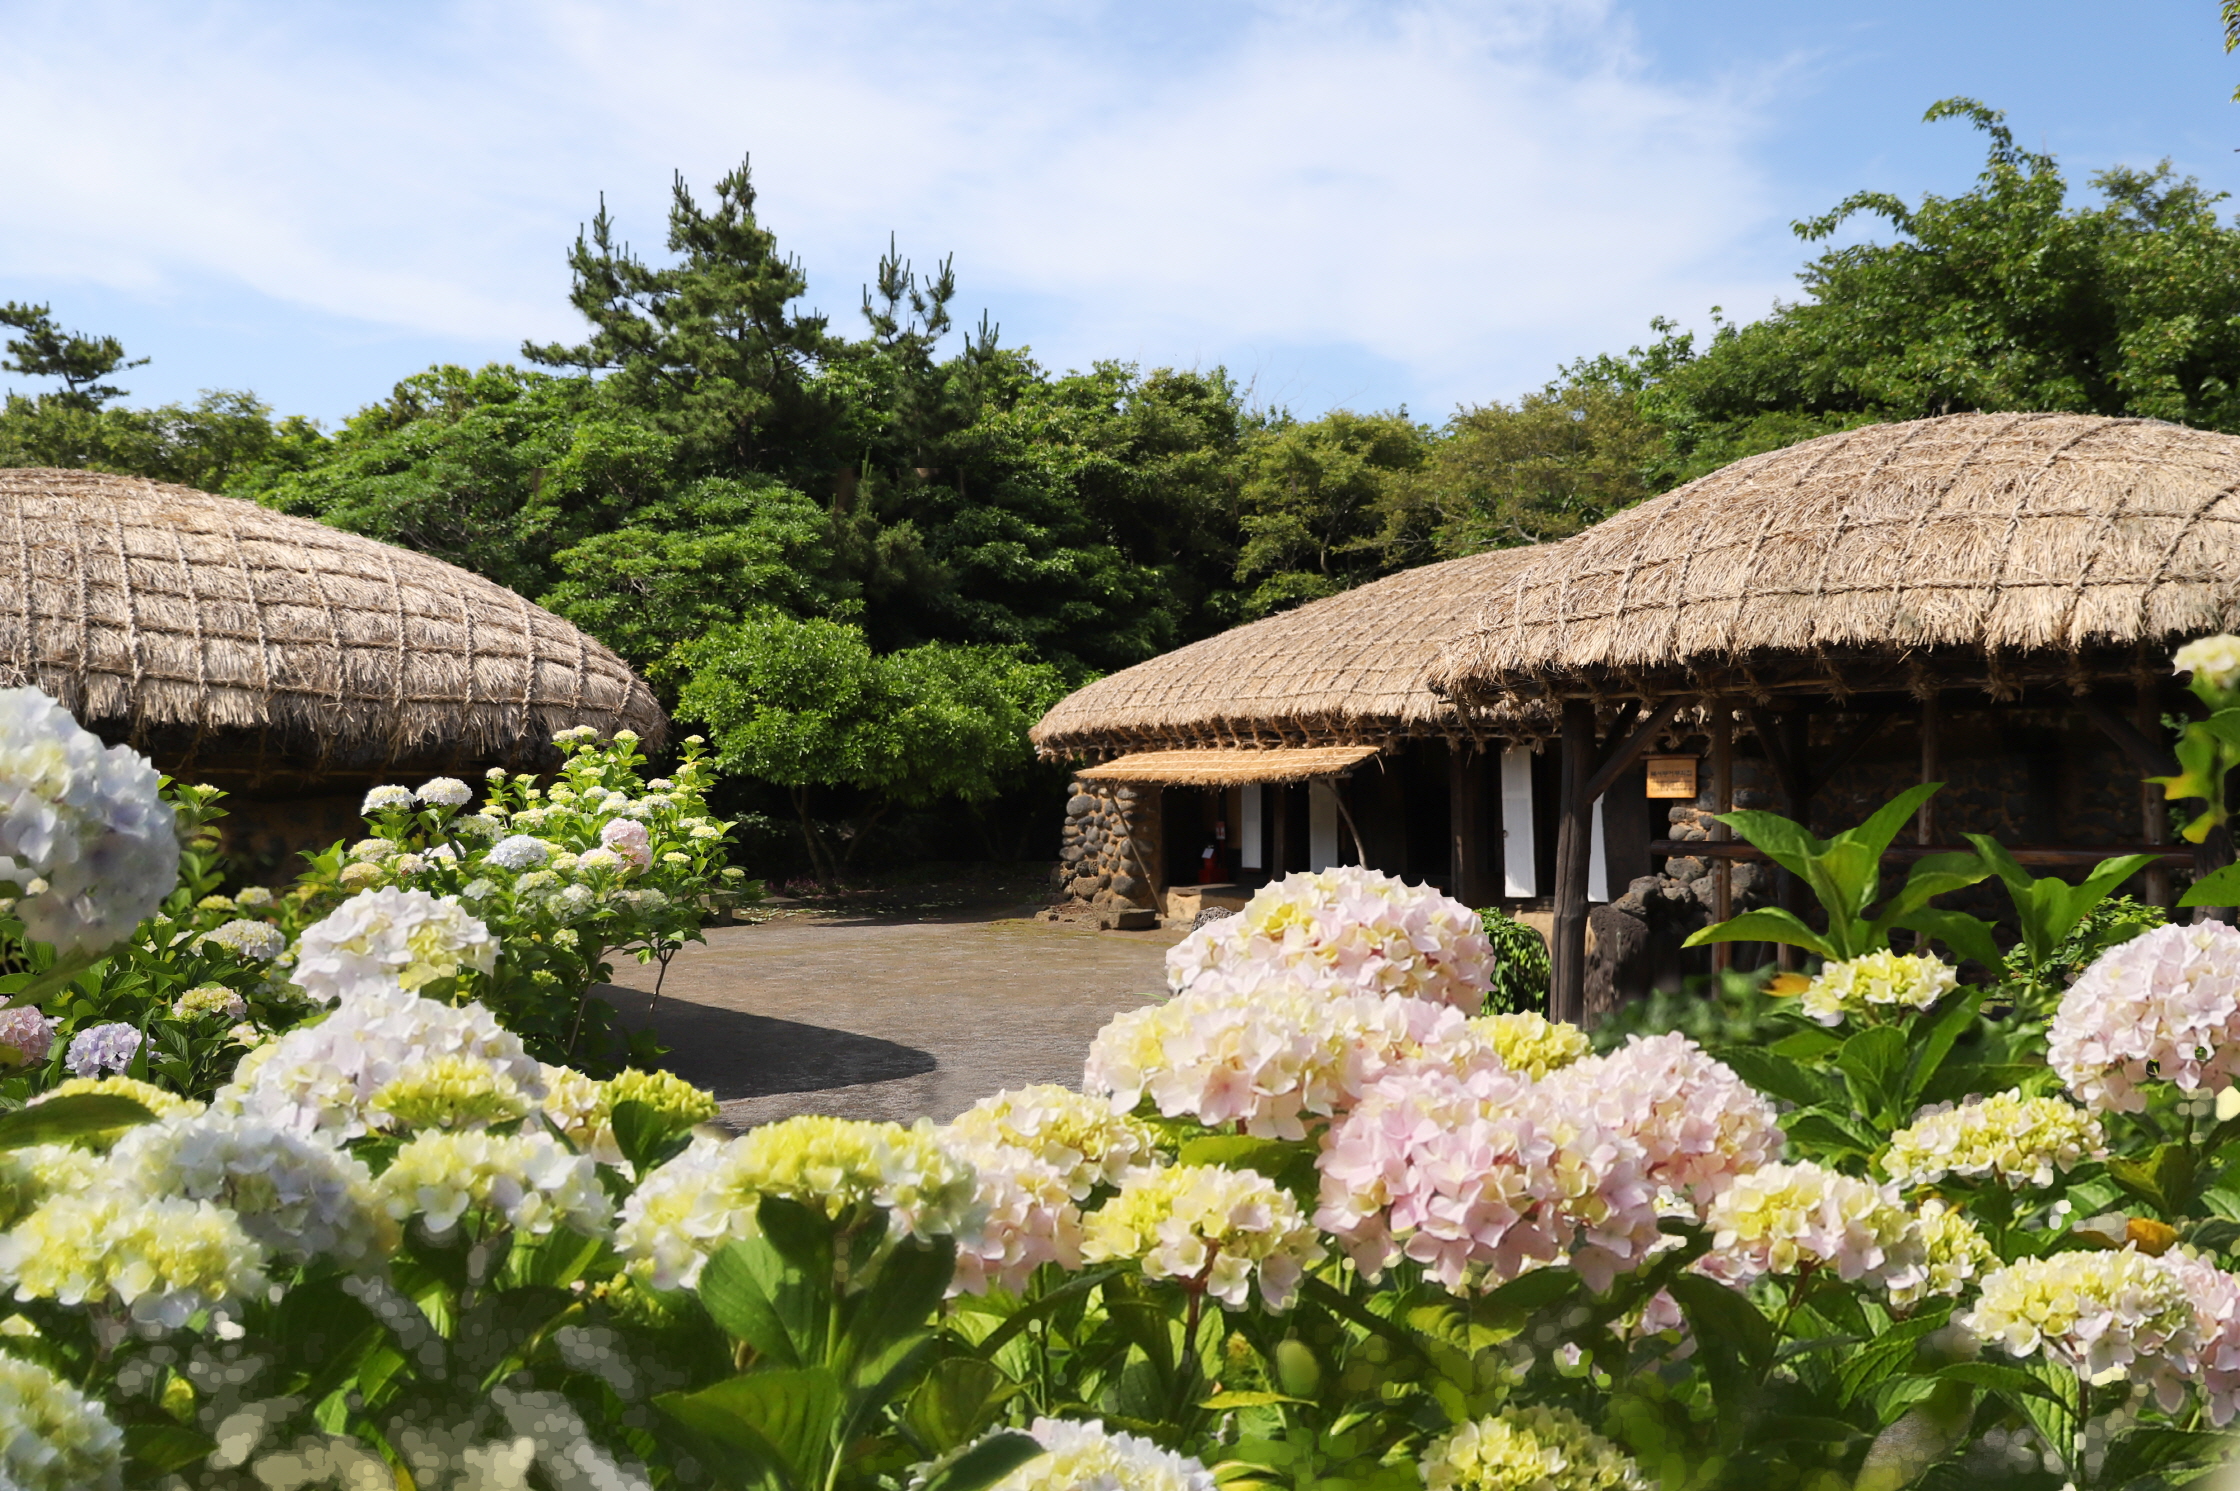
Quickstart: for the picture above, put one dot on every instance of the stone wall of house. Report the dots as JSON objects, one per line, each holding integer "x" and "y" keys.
{"x": 1109, "y": 846}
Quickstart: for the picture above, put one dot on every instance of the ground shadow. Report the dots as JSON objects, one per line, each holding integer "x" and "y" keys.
{"x": 735, "y": 1054}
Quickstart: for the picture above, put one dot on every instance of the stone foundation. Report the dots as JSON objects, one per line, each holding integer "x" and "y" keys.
{"x": 1110, "y": 848}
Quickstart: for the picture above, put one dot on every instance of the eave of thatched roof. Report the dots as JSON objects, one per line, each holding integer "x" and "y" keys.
{"x": 1997, "y": 549}
{"x": 1347, "y": 670}
{"x": 1230, "y": 766}
{"x": 229, "y": 640}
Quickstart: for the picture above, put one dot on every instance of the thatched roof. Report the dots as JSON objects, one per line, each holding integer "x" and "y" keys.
{"x": 235, "y": 643}
{"x": 1349, "y": 669}
{"x": 1230, "y": 766}
{"x": 1990, "y": 549}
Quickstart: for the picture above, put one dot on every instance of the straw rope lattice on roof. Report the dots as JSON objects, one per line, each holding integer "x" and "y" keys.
{"x": 1991, "y": 549}
{"x": 1233, "y": 767}
{"x": 225, "y": 638}
{"x": 1349, "y": 669}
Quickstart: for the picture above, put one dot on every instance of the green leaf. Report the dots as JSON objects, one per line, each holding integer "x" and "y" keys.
{"x": 1816, "y": 1129}
{"x": 1805, "y": 1045}
{"x": 1932, "y": 876}
{"x": 2145, "y": 1452}
{"x": 1918, "y": 1438}
{"x": 1769, "y": 924}
{"x": 1969, "y": 936}
{"x": 1890, "y": 1350}
{"x": 167, "y": 1449}
{"x": 1782, "y": 1078}
{"x": 731, "y": 1291}
{"x": 902, "y": 1299}
{"x": 2220, "y": 887}
{"x": 1872, "y": 1061}
{"x": 1269, "y": 1157}
{"x": 1785, "y": 841}
{"x": 1935, "y": 1043}
{"x": 784, "y": 1423}
{"x": 953, "y": 1400}
{"x": 67, "y": 1120}
{"x": 1722, "y": 1315}
{"x": 984, "y": 1464}
{"x": 642, "y": 1133}
{"x": 2010, "y": 1382}
{"x": 1224, "y": 1402}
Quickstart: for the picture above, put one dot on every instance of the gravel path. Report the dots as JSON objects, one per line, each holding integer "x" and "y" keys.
{"x": 888, "y": 1018}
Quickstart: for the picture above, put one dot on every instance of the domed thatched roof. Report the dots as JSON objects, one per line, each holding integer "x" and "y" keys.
{"x": 1347, "y": 670}
{"x": 1980, "y": 548}
{"x": 235, "y": 644}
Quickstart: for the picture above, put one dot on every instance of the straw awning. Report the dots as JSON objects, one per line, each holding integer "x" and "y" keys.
{"x": 1230, "y": 767}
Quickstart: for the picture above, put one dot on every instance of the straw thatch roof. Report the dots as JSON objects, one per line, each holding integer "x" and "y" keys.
{"x": 235, "y": 643}
{"x": 1987, "y": 549}
{"x": 1346, "y": 670}
{"x": 1230, "y": 766}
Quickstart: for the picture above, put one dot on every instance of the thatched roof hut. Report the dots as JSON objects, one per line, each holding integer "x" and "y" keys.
{"x": 258, "y": 651}
{"x": 1350, "y": 670}
{"x": 1990, "y": 549}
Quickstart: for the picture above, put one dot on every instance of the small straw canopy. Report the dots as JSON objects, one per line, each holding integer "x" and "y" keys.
{"x": 1988, "y": 548}
{"x": 1350, "y": 669}
{"x": 1229, "y": 766}
{"x": 237, "y": 643}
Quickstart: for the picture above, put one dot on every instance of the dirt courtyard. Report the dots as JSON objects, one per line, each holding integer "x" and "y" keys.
{"x": 888, "y": 1017}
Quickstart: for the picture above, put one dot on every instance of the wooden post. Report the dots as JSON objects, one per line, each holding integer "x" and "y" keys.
{"x": 1466, "y": 825}
{"x": 1722, "y": 801}
{"x": 1925, "y": 821}
{"x": 1796, "y": 733}
{"x": 1279, "y": 830}
{"x": 2154, "y": 816}
{"x": 1567, "y": 984}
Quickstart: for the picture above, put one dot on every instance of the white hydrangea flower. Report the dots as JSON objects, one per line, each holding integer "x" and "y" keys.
{"x": 53, "y": 1437}
{"x": 682, "y": 1214}
{"x": 605, "y": 860}
{"x": 1346, "y": 930}
{"x": 1953, "y": 1256}
{"x": 321, "y": 1078}
{"x": 2164, "y": 1005}
{"x": 532, "y": 1181}
{"x": 84, "y": 823}
{"x": 1085, "y": 1456}
{"x": 386, "y": 939}
{"x": 2093, "y": 1312}
{"x": 1211, "y": 1226}
{"x": 297, "y": 1196}
{"x": 2018, "y": 1140}
{"x": 210, "y": 999}
{"x": 1028, "y": 1217}
{"x": 161, "y": 1258}
{"x": 1088, "y": 1143}
{"x": 1877, "y": 982}
{"x": 259, "y": 942}
{"x": 476, "y": 826}
{"x": 386, "y": 799}
{"x": 444, "y": 792}
{"x": 2211, "y": 660}
{"x": 373, "y": 851}
{"x": 1783, "y": 1219}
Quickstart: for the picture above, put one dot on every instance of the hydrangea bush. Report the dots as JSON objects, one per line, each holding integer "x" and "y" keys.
{"x": 1319, "y": 1220}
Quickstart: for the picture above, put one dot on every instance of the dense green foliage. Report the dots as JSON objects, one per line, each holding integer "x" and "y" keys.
{"x": 713, "y": 457}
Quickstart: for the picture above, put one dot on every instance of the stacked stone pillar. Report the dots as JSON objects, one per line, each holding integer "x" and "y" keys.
{"x": 1110, "y": 848}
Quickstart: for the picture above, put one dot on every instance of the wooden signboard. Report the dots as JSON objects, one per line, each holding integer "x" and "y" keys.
{"x": 1672, "y": 776}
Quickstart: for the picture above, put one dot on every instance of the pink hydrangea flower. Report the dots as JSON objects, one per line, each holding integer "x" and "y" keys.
{"x": 2215, "y": 1363}
{"x": 1699, "y": 1124}
{"x": 1348, "y": 930}
{"x": 627, "y": 837}
{"x": 1479, "y": 1176}
{"x": 26, "y": 1036}
{"x": 2164, "y": 1005}
{"x": 1026, "y": 1213}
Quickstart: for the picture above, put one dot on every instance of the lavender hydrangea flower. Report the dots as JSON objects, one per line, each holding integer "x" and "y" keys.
{"x": 101, "y": 1049}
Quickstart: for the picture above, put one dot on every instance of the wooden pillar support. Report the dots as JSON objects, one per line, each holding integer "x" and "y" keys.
{"x": 2154, "y": 815}
{"x": 1925, "y": 821}
{"x": 1466, "y": 825}
{"x": 1585, "y": 779}
{"x": 1722, "y": 801}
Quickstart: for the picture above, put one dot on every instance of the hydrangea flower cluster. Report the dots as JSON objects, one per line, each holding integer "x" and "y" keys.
{"x": 1786, "y": 1219}
{"x": 1210, "y": 1227}
{"x": 1477, "y": 1176}
{"x": 158, "y": 1259}
{"x": 1877, "y": 982}
{"x": 1270, "y": 1059}
{"x": 99, "y": 1049}
{"x": 384, "y": 939}
{"x": 451, "y": 1091}
{"x": 1953, "y": 1256}
{"x": 1528, "y": 1449}
{"x": 84, "y": 836}
{"x": 2215, "y": 1363}
{"x": 682, "y": 1213}
{"x": 1699, "y": 1125}
{"x": 1532, "y": 1045}
{"x": 2092, "y": 1312}
{"x": 2214, "y": 661}
{"x": 1348, "y": 930}
{"x": 530, "y": 1182}
{"x": 2016, "y": 1140}
{"x": 2164, "y": 1005}
{"x": 210, "y": 999}
{"x": 1085, "y": 1456}
{"x": 1082, "y": 1138}
{"x": 245, "y": 937}
{"x": 1025, "y": 1216}
{"x": 295, "y": 1196}
{"x": 26, "y": 1036}
{"x": 53, "y": 1437}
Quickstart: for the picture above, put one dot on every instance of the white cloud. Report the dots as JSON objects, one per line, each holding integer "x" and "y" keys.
{"x": 1460, "y": 193}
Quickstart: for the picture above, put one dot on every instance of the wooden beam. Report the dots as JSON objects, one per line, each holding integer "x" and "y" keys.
{"x": 2148, "y": 756}
{"x": 1631, "y": 749}
{"x": 1567, "y": 983}
{"x": 1906, "y": 854}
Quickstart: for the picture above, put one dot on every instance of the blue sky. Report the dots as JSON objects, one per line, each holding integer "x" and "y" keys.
{"x": 1347, "y": 204}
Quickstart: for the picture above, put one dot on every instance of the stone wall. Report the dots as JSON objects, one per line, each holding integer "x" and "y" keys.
{"x": 1109, "y": 846}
